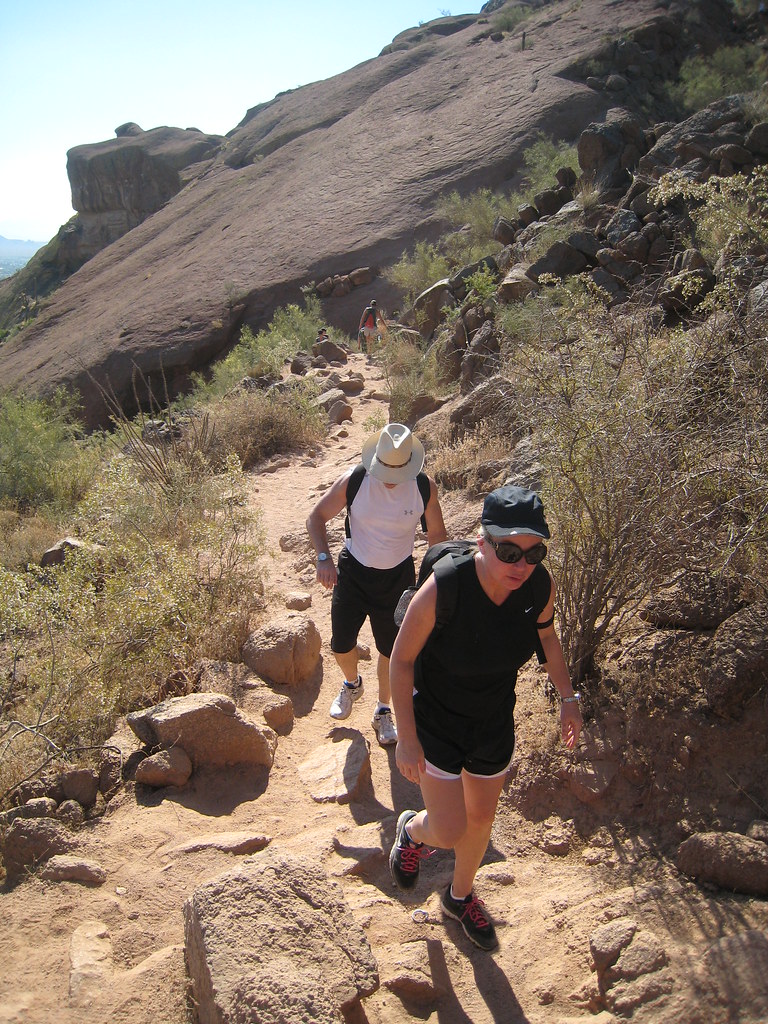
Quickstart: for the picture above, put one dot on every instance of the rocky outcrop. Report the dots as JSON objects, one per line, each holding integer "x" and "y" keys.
{"x": 119, "y": 183}
{"x": 116, "y": 184}
{"x": 304, "y": 190}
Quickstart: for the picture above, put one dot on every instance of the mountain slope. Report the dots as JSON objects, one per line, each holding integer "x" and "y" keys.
{"x": 331, "y": 176}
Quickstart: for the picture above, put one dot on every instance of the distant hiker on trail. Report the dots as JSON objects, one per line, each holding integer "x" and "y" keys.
{"x": 386, "y": 497}
{"x": 453, "y": 692}
{"x": 372, "y": 328}
{"x": 322, "y": 335}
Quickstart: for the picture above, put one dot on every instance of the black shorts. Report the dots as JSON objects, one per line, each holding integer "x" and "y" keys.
{"x": 453, "y": 742}
{"x": 362, "y": 592}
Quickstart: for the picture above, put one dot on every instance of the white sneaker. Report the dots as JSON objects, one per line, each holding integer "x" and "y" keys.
{"x": 342, "y": 706}
{"x": 385, "y": 727}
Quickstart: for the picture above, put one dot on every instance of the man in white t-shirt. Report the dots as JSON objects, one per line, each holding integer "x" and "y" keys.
{"x": 390, "y": 497}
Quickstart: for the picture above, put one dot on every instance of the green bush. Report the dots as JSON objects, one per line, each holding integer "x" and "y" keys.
{"x": 42, "y": 459}
{"x": 507, "y": 21}
{"x": 730, "y": 214}
{"x": 542, "y": 159}
{"x": 410, "y": 373}
{"x": 472, "y": 218}
{"x": 729, "y": 70}
{"x": 412, "y": 274}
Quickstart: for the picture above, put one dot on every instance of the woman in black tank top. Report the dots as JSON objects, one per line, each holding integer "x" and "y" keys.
{"x": 453, "y": 690}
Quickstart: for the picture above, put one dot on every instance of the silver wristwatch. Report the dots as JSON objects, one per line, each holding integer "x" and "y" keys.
{"x": 323, "y": 556}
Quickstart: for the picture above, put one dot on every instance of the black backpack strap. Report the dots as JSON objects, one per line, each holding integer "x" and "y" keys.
{"x": 425, "y": 490}
{"x": 446, "y": 570}
{"x": 353, "y": 486}
{"x": 446, "y": 578}
{"x": 541, "y": 584}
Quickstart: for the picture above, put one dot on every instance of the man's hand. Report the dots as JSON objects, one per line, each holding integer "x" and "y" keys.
{"x": 326, "y": 573}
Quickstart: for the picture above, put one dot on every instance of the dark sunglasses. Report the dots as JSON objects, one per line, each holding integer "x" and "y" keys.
{"x": 511, "y": 553}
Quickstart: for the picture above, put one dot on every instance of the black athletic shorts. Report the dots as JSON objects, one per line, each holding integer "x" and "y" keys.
{"x": 454, "y": 742}
{"x": 362, "y": 592}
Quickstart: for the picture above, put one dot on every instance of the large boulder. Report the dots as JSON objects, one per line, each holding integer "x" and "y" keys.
{"x": 738, "y": 660}
{"x": 286, "y": 650}
{"x": 208, "y": 727}
{"x": 31, "y": 841}
{"x": 726, "y": 859}
{"x": 274, "y": 941}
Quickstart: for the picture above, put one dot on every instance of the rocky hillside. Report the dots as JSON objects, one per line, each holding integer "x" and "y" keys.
{"x": 337, "y": 175}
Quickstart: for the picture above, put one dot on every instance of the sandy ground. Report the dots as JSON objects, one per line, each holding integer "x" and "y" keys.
{"x": 546, "y": 904}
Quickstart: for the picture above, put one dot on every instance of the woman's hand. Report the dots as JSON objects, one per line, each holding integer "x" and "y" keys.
{"x": 409, "y": 757}
{"x": 570, "y": 723}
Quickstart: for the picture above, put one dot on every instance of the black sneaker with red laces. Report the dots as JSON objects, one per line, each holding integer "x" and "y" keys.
{"x": 405, "y": 855}
{"x": 471, "y": 915}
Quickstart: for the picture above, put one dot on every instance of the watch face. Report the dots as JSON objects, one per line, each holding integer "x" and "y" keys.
{"x": 322, "y": 557}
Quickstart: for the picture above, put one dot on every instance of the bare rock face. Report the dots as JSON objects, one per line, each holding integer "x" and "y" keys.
{"x": 304, "y": 190}
{"x": 208, "y": 727}
{"x": 275, "y": 941}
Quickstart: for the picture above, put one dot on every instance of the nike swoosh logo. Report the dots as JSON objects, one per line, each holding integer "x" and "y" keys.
{"x": 529, "y": 609}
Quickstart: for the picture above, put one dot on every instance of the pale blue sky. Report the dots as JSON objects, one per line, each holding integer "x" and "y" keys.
{"x": 71, "y": 71}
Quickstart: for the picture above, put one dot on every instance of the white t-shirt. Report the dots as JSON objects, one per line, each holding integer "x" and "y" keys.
{"x": 383, "y": 522}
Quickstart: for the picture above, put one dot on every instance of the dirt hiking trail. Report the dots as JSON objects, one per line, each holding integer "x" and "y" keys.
{"x": 547, "y": 888}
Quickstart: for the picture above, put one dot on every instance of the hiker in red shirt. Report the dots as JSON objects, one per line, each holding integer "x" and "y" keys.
{"x": 371, "y": 329}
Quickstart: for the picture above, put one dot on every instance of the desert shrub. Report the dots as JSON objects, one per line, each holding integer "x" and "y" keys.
{"x": 256, "y": 426}
{"x": 638, "y": 485}
{"x": 507, "y": 21}
{"x": 729, "y": 70}
{"x": 410, "y": 373}
{"x": 43, "y": 460}
{"x": 730, "y": 214}
{"x": 476, "y": 462}
{"x": 292, "y": 328}
{"x": 482, "y": 284}
{"x": 472, "y": 218}
{"x": 542, "y": 159}
{"x": 169, "y": 576}
{"x": 412, "y": 274}
{"x": 24, "y": 537}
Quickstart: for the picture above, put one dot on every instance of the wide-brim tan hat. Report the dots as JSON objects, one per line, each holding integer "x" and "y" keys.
{"x": 393, "y": 455}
